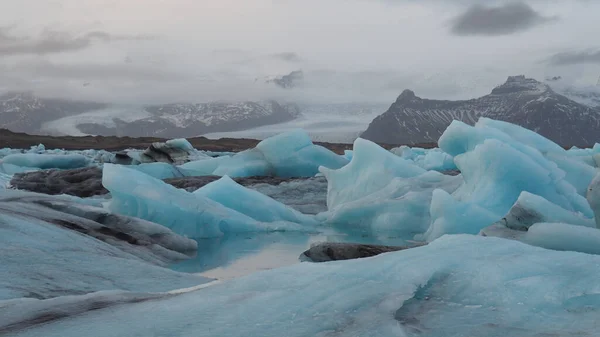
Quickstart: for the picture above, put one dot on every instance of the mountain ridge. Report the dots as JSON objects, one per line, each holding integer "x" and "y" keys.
{"x": 520, "y": 100}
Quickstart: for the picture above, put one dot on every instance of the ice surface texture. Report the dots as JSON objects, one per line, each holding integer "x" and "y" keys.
{"x": 456, "y": 286}
{"x": 194, "y": 214}
{"x": 52, "y": 247}
{"x": 291, "y": 154}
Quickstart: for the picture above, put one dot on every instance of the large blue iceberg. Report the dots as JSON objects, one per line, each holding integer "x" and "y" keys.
{"x": 194, "y": 214}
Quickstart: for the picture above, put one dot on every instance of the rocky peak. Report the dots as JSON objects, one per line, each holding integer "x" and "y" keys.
{"x": 407, "y": 96}
{"x": 516, "y": 84}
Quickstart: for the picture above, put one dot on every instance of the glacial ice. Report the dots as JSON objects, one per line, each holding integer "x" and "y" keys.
{"x": 52, "y": 247}
{"x": 46, "y": 161}
{"x": 291, "y": 154}
{"x": 251, "y": 203}
{"x": 456, "y": 286}
{"x": 387, "y": 194}
{"x": 530, "y": 209}
{"x": 189, "y": 214}
{"x": 428, "y": 159}
{"x": 562, "y": 236}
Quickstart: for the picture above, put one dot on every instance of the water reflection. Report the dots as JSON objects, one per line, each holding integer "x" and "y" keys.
{"x": 233, "y": 256}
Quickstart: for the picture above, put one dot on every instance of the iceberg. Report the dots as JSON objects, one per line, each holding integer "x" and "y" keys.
{"x": 530, "y": 209}
{"x": 565, "y": 237}
{"x": 290, "y": 154}
{"x": 372, "y": 168}
{"x": 189, "y": 214}
{"x": 251, "y": 203}
{"x": 458, "y": 285}
{"x": 46, "y": 161}
{"x": 379, "y": 192}
{"x": 492, "y": 183}
{"x": 428, "y": 159}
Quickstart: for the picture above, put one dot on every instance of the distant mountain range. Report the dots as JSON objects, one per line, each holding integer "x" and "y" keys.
{"x": 24, "y": 112}
{"x": 520, "y": 100}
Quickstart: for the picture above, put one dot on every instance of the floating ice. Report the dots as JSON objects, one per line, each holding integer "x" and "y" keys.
{"x": 561, "y": 236}
{"x": 372, "y": 168}
{"x": 449, "y": 216}
{"x": 530, "y": 209}
{"x": 456, "y": 286}
{"x": 495, "y": 174}
{"x": 251, "y": 203}
{"x": 379, "y": 192}
{"x": 428, "y": 159}
{"x": 291, "y": 154}
{"x": 190, "y": 214}
{"x": 46, "y": 161}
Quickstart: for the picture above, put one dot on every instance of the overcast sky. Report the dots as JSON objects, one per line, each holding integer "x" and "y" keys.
{"x": 370, "y": 50}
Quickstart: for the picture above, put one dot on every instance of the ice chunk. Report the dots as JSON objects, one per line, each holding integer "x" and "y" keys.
{"x": 189, "y": 214}
{"x": 428, "y": 159}
{"x": 202, "y": 167}
{"x": 181, "y": 144}
{"x": 561, "y": 236}
{"x": 401, "y": 208}
{"x": 46, "y": 161}
{"x": 244, "y": 164}
{"x": 252, "y": 203}
{"x": 290, "y": 154}
{"x": 495, "y": 174}
{"x": 449, "y": 216}
{"x": 578, "y": 173}
{"x": 531, "y": 209}
{"x": 522, "y": 135}
{"x": 371, "y": 169}
{"x": 293, "y": 154}
{"x": 456, "y": 286}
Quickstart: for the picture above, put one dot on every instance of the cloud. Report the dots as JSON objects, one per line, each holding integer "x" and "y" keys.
{"x": 287, "y": 56}
{"x": 505, "y": 19}
{"x": 579, "y": 57}
{"x": 93, "y": 72}
{"x": 52, "y": 41}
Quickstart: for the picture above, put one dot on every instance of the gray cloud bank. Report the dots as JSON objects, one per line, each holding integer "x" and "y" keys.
{"x": 575, "y": 57}
{"x": 52, "y": 41}
{"x": 506, "y": 19}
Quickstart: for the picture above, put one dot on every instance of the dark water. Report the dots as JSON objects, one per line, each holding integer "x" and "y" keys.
{"x": 242, "y": 254}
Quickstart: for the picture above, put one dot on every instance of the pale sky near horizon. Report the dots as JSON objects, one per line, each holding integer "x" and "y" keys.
{"x": 368, "y": 50}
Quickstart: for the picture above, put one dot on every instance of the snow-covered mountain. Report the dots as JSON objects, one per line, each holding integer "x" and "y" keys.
{"x": 520, "y": 100}
{"x": 24, "y": 112}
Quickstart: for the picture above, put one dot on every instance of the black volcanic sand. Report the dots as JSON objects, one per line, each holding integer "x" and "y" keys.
{"x": 24, "y": 141}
